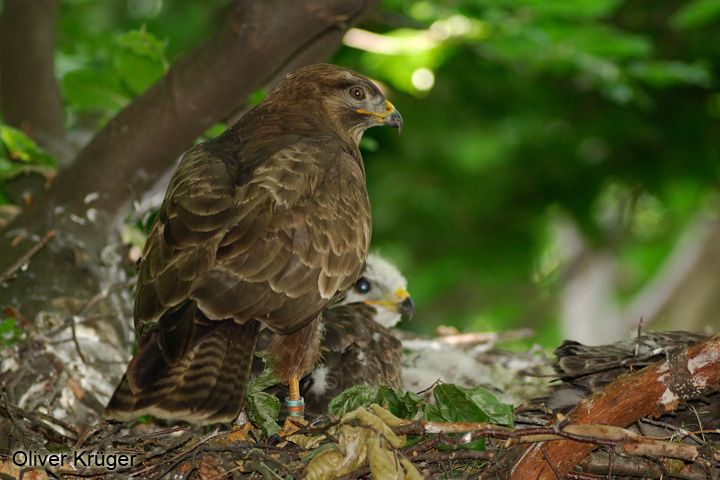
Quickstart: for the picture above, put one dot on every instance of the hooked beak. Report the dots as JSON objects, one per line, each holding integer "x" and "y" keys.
{"x": 390, "y": 117}
{"x": 404, "y": 304}
{"x": 406, "y": 309}
{"x": 399, "y": 302}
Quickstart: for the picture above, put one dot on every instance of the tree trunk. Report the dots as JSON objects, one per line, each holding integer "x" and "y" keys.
{"x": 29, "y": 92}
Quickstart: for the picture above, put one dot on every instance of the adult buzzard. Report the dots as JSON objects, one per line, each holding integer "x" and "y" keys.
{"x": 358, "y": 347}
{"x": 260, "y": 227}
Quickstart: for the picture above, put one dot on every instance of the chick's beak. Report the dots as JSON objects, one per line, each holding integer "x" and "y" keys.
{"x": 404, "y": 305}
{"x": 406, "y": 309}
{"x": 399, "y": 301}
{"x": 392, "y": 117}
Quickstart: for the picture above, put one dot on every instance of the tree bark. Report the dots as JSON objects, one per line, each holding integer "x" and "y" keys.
{"x": 258, "y": 42}
{"x": 654, "y": 390}
{"x": 29, "y": 91}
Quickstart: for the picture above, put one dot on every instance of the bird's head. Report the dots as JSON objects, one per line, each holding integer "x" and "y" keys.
{"x": 383, "y": 287}
{"x": 351, "y": 101}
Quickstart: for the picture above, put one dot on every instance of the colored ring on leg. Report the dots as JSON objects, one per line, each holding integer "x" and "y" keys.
{"x": 296, "y": 408}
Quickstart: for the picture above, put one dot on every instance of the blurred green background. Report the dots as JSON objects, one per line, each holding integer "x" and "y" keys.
{"x": 559, "y": 164}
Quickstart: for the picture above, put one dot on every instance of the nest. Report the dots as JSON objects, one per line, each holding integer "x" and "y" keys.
{"x": 637, "y": 426}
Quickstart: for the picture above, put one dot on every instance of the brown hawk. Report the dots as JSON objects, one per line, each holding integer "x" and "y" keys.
{"x": 358, "y": 347}
{"x": 261, "y": 226}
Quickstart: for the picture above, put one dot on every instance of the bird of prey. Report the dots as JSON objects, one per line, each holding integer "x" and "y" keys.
{"x": 261, "y": 226}
{"x": 358, "y": 347}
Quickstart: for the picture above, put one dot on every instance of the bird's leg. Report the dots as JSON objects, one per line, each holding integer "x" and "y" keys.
{"x": 295, "y": 406}
{"x": 296, "y": 354}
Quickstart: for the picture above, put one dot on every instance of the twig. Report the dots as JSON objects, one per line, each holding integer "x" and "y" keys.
{"x": 13, "y": 269}
{"x": 39, "y": 421}
{"x": 679, "y": 431}
{"x": 75, "y": 340}
{"x": 454, "y": 455}
{"x": 599, "y": 463}
{"x": 472, "y": 339}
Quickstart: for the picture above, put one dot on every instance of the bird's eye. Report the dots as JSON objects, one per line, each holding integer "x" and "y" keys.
{"x": 362, "y": 285}
{"x": 357, "y": 93}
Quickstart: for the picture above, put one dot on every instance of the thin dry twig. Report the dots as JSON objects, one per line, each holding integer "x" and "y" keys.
{"x": 24, "y": 258}
{"x": 601, "y": 463}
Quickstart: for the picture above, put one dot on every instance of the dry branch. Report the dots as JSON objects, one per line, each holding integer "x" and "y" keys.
{"x": 603, "y": 463}
{"x": 24, "y": 258}
{"x": 652, "y": 391}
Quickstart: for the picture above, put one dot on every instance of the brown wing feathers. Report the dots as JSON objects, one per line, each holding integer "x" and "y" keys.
{"x": 264, "y": 224}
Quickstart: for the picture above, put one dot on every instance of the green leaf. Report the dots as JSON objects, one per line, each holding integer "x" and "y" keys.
{"x": 136, "y": 73}
{"x": 498, "y": 413}
{"x": 266, "y": 379}
{"x": 403, "y": 405}
{"x": 263, "y": 410}
{"x": 696, "y": 14}
{"x": 139, "y": 60}
{"x": 22, "y": 148}
{"x": 10, "y": 169}
{"x": 352, "y": 398}
{"x": 431, "y": 413}
{"x": 457, "y": 404}
{"x": 94, "y": 90}
{"x": 10, "y": 333}
{"x": 17, "y": 143}
{"x": 143, "y": 44}
{"x": 20, "y": 155}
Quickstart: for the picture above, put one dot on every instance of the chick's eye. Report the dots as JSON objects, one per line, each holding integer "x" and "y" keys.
{"x": 362, "y": 286}
{"x": 357, "y": 93}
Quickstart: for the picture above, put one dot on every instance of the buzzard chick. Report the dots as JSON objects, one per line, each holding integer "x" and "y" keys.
{"x": 358, "y": 347}
{"x": 262, "y": 225}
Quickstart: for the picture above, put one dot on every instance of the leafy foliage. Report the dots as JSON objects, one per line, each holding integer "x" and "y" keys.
{"x": 263, "y": 408}
{"x": 20, "y": 155}
{"x": 457, "y": 404}
{"x": 451, "y": 404}
{"x": 538, "y": 112}
{"x": 135, "y": 60}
